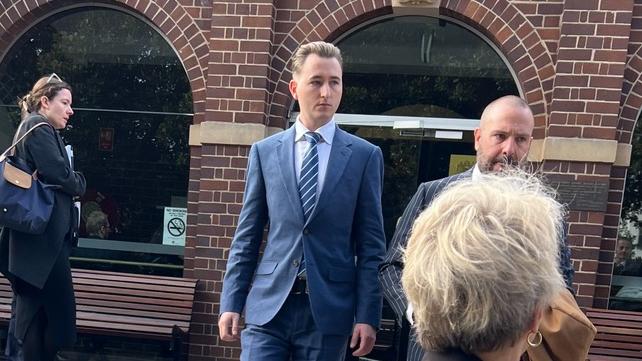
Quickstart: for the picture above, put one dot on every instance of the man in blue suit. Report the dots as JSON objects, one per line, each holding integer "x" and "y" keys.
{"x": 319, "y": 189}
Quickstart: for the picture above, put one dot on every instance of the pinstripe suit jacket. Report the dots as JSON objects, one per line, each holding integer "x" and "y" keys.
{"x": 390, "y": 270}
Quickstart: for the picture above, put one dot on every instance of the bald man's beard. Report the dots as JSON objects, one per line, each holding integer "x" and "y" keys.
{"x": 506, "y": 161}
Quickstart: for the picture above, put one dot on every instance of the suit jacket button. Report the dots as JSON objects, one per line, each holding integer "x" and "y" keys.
{"x": 295, "y": 263}
{"x": 306, "y": 231}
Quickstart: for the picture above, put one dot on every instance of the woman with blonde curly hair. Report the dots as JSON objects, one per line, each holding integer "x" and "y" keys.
{"x": 482, "y": 266}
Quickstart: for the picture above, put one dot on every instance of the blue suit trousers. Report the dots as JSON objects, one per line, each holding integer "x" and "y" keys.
{"x": 291, "y": 336}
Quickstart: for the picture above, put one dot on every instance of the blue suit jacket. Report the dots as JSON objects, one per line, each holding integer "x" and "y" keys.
{"x": 343, "y": 240}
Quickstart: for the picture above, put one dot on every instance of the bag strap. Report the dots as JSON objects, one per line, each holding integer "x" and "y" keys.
{"x": 4, "y": 154}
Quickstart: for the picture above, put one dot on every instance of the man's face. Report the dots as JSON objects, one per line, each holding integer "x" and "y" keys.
{"x": 503, "y": 137}
{"x": 623, "y": 250}
{"x": 318, "y": 88}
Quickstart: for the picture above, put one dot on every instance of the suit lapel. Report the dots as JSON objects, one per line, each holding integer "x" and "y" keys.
{"x": 339, "y": 156}
{"x": 285, "y": 162}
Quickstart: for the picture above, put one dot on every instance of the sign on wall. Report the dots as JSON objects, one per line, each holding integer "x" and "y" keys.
{"x": 106, "y": 139}
{"x": 582, "y": 195}
{"x": 174, "y": 225}
{"x": 460, "y": 163}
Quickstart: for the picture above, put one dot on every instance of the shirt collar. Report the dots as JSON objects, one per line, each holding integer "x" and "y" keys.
{"x": 476, "y": 173}
{"x": 326, "y": 131}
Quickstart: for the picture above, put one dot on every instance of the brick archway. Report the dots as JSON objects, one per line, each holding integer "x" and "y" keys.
{"x": 631, "y": 98}
{"x": 189, "y": 43}
{"x": 499, "y": 21}
{"x": 517, "y": 39}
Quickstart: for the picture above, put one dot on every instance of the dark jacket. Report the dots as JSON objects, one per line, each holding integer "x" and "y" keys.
{"x": 630, "y": 267}
{"x": 31, "y": 257}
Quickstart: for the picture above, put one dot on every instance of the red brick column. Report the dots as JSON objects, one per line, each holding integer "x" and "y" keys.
{"x": 586, "y": 103}
{"x": 236, "y": 92}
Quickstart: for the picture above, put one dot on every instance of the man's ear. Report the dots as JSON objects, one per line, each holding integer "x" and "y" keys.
{"x": 477, "y": 136}
{"x": 292, "y": 86}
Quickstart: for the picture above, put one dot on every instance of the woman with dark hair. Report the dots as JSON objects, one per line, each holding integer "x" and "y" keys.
{"x": 44, "y": 309}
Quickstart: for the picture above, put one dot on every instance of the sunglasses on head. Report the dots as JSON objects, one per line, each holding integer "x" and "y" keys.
{"x": 53, "y": 76}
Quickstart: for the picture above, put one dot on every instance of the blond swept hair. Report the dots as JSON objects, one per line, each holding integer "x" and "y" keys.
{"x": 481, "y": 260}
{"x": 319, "y": 48}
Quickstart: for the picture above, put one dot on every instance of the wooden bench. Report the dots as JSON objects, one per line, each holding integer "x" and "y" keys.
{"x": 126, "y": 305}
{"x": 619, "y": 335}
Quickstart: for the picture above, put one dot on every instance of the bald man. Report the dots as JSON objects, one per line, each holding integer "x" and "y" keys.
{"x": 502, "y": 139}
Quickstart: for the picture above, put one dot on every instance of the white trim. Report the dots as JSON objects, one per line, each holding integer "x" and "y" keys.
{"x": 401, "y": 122}
{"x": 142, "y": 247}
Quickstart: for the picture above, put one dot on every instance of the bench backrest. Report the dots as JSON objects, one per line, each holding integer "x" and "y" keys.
{"x": 619, "y": 335}
{"x": 124, "y": 304}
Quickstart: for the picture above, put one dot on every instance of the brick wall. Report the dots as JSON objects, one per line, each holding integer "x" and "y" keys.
{"x": 586, "y": 102}
{"x": 578, "y": 63}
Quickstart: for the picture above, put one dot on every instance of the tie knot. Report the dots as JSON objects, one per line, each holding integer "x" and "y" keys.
{"x": 312, "y": 137}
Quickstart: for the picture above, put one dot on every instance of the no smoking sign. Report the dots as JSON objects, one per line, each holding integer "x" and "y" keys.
{"x": 174, "y": 226}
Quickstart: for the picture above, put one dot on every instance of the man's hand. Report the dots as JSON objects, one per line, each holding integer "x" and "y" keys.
{"x": 228, "y": 326}
{"x": 364, "y": 336}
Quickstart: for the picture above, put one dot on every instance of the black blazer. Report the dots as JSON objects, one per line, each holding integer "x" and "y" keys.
{"x": 390, "y": 270}
{"x": 31, "y": 257}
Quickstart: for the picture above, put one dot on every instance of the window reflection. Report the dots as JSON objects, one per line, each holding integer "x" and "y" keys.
{"x": 421, "y": 66}
{"x": 418, "y": 67}
{"x": 626, "y": 284}
{"x": 129, "y": 132}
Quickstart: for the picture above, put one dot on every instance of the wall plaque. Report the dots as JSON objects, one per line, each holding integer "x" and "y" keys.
{"x": 416, "y": 7}
{"x": 582, "y": 195}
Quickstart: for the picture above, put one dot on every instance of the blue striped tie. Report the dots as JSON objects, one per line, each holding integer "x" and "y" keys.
{"x": 308, "y": 183}
{"x": 309, "y": 175}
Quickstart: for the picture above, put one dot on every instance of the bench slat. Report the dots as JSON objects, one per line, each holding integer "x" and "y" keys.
{"x": 89, "y": 325}
{"x": 129, "y": 277}
{"x": 121, "y": 311}
{"x": 136, "y": 286}
{"x": 131, "y": 299}
{"x": 611, "y": 358}
{"x": 619, "y": 330}
{"x": 136, "y": 307}
{"x": 618, "y": 337}
{"x": 614, "y": 352}
{"x": 617, "y": 345}
{"x": 132, "y": 321}
{"x": 114, "y": 290}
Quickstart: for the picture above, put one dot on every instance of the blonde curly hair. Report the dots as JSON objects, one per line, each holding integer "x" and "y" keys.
{"x": 482, "y": 259}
